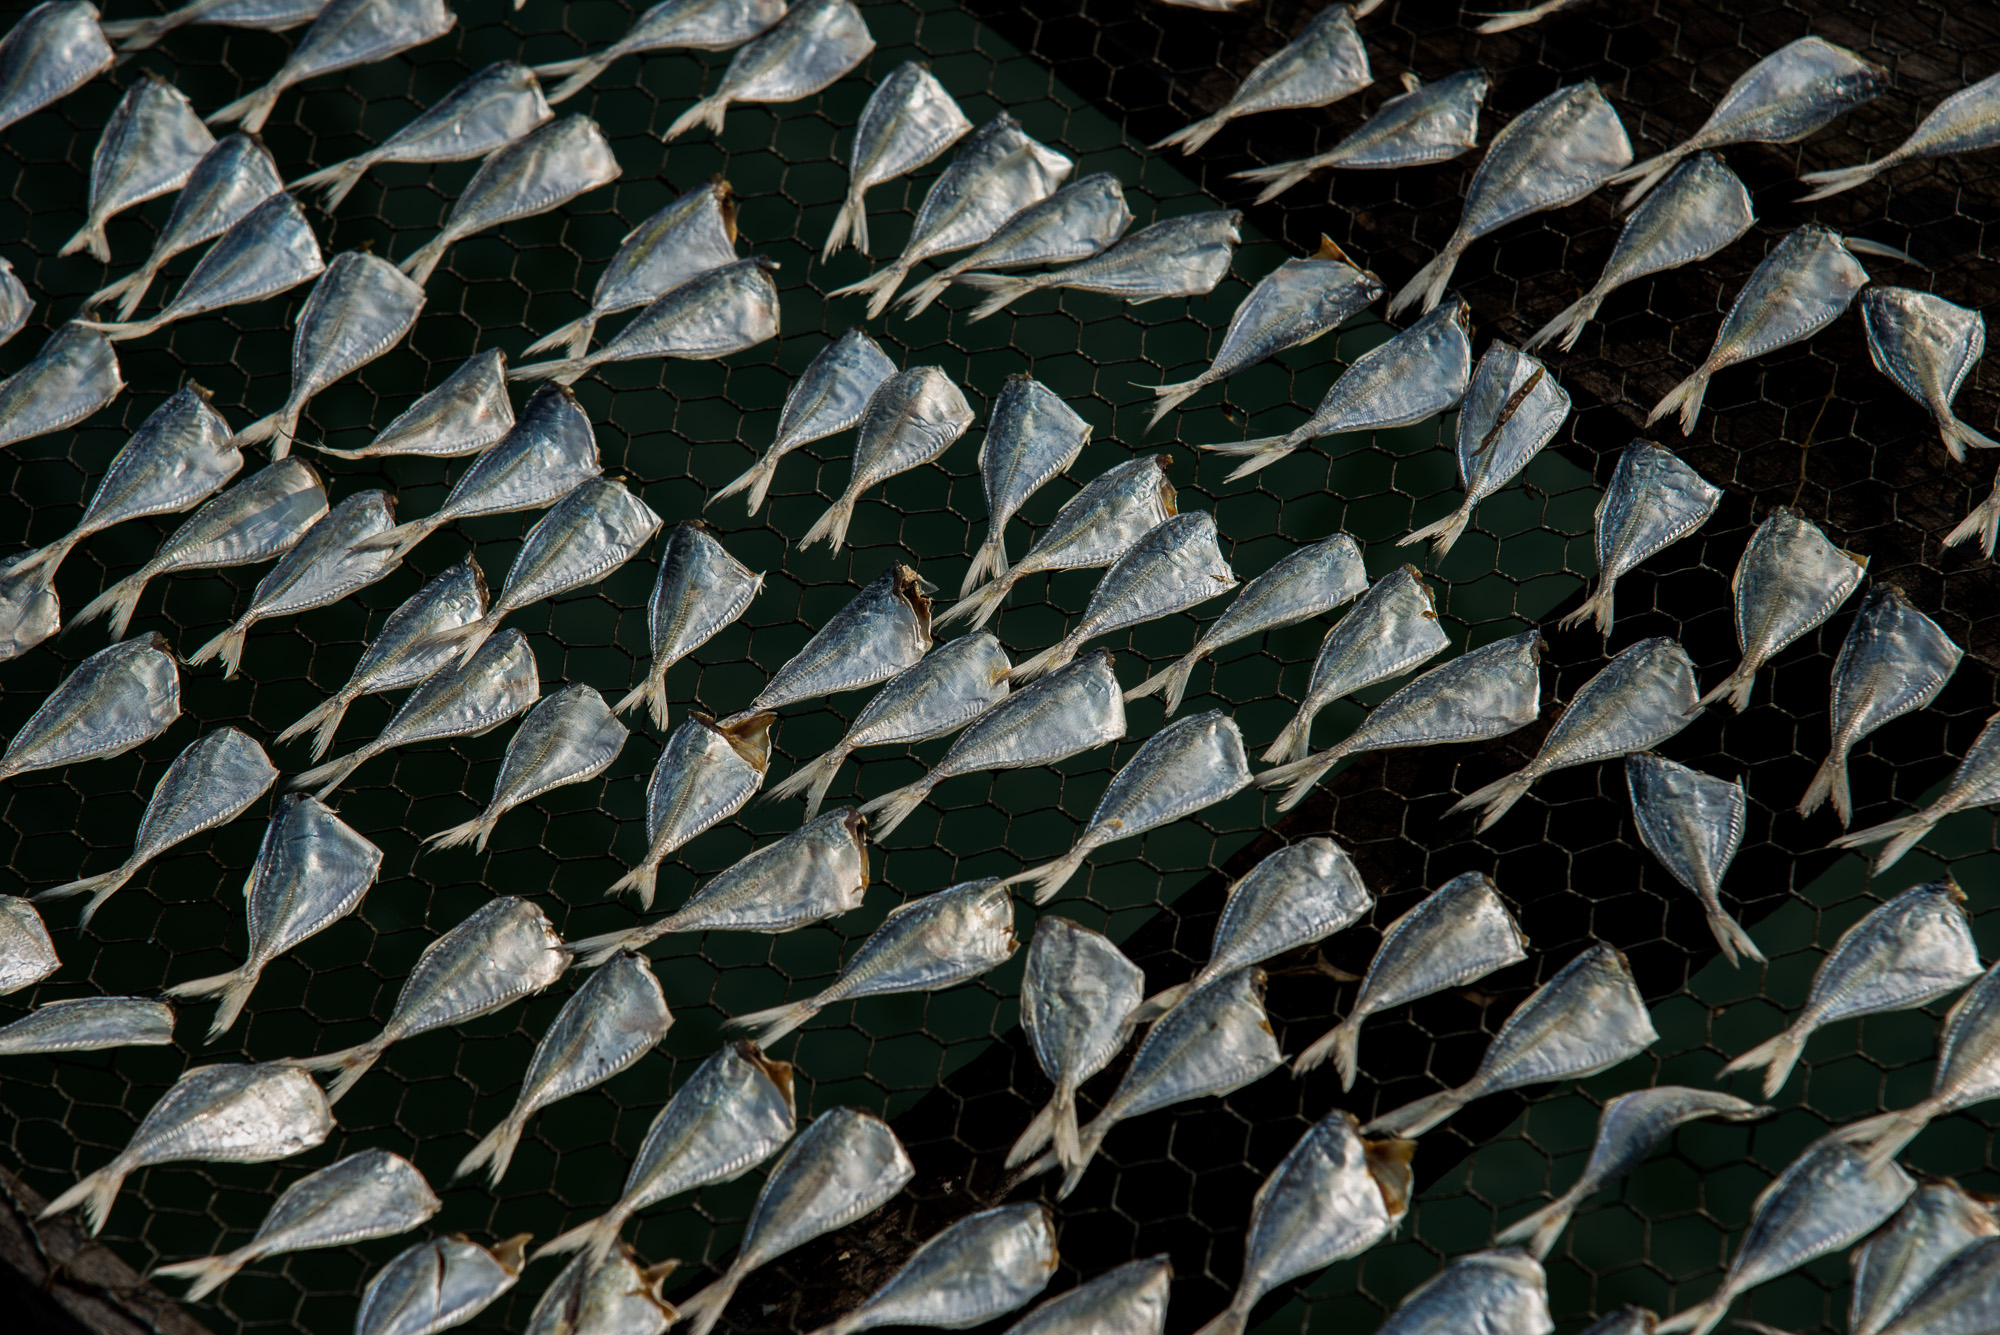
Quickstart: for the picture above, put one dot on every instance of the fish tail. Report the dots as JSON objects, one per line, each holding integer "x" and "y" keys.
{"x": 335, "y": 181}
{"x": 317, "y": 717}
{"x": 1567, "y": 326}
{"x": 1445, "y": 533}
{"x": 709, "y": 111}
{"x": 401, "y": 540}
{"x": 1293, "y": 741}
{"x": 1298, "y": 778}
{"x": 812, "y": 779}
{"x": 1058, "y": 655}
{"x": 980, "y": 605}
{"x": 989, "y": 562}
{"x": 775, "y": 1023}
{"x": 1153, "y": 1007}
{"x": 1687, "y": 397}
{"x": 1413, "y": 1119}
{"x": 592, "y": 951}
{"x": 332, "y": 774}
{"x": 1427, "y": 288}
{"x": 885, "y": 813}
{"x": 467, "y": 637}
{"x": 704, "y": 1309}
{"x": 209, "y": 1274}
{"x": 1886, "y": 1134}
{"x": 652, "y": 692}
{"x": 918, "y": 299}
{"x": 227, "y": 646}
{"x": 1262, "y": 453}
{"x": 1343, "y": 1044}
{"x": 352, "y": 1063}
{"x": 1002, "y": 289}
{"x": 639, "y": 881}
{"x": 1088, "y": 1141}
{"x": 1902, "y": 835}
{"x": 562, "y": 370}
{"x": 1051, "y": 879}
{"x": 91, "y": 238}
{"x": 1169, "y": 685}
{"x": 1173, "y": 396}
{"x": 1699, "y": 1319}
{"x": 474, "y": 831}
{"x": 1777, "y": 1057}
{"x": 1231, "y": 1320}
{"x": 1830, "y": 781}
{"x": 1277, "y": 179}
{"x": 1842, "y": 179}
{"x": 121, "y": 600}
{"x": 851, "y": 220}
{"x": 117, "y": 331}
{"x": 249, "y": 111}
{"x": 878, "y": 287}
{"x": 1039, "y": 1132}
{"x": 575, "y": 75}
{"x": 94, "y": 1194}
{"x": 1736, "y": 688}
{"x": 424, "y": 262}
{"x": 139, "y": 35}
{"x": 1538, "y": 1232}
{"x": 100, "y": 888}
{"x": 139, "y": 278}
{"x": 1519, "y": 18}
{"x": 1496, "y": 798}
{"x": 1958, "y": 437}
{"x": 756, "y": 480}
{"x": 832, "y": 526}
{"x": 493, "y": 1153}
{"x": 1644, "y": 177}
{"x": 1731, "y": 937}
{"x": 1983, "y": 523}
{"x": 596, "y": 1237}
{"x": 233, "y": 987}
{"x": 1598, "y": 605}
{"x": 573, "y": 338}
{"x": 1190, "y": 138}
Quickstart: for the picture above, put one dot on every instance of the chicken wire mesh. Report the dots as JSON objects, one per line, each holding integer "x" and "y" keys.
{"x": 1813, "y": 426}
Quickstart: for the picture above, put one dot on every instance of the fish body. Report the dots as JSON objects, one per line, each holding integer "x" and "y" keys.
{"x": 698, "y": 25}
{"x": 1693, "y": 823}
{"x": 225, "y": 1113}
{"x": 1654, "y": 500}
{"x": 885, "y": 629}
{"x": 1700, "y": 209}
{"x": 15, "y": 303}
{"x": 1553, "y": 154}
{"x": 829, "y": 397}
{"x": 1031, "y": 435}
{"x": 1513, "y": 408}
{"x": 1967, "y": 1072}
{"x": 985, "y": 1265}
{"x": 435, "y": 1285}
{"x": 711, "y": 315}
{"x": 150, "y": 144}
{"x": 464, "y": 413}
{"x": 1392, "y": 629}
{"x": 1323, "y": 64}
{"x": 74, "y": 374}
{"x": 568, "y": 738}
{"x": 1076, "y": 222}
{"x": 1130, "y": 1299}
{"x": 706, "y": 773}
{"x": 1789, "y": 580}
{"x": 701, "y": 589}
{"x": 26, "y": 954}
{"x": 89, "y": 1024}
{"x": 1426, "y": 122}
{"x": 912, "y": 418}
{"x": 1928, "y": 346}
{"x": 1176, "y": 257}
{"x": 1497, "y": 1292}
{"x": 49, "y": 53}
{"x": 1459, "y": 933}
{"x": 909, "y": 119}
{"x": 114, "y": 700}
{"x": 1939, "y": 1222}
{"x": 345, "y": 34}
{"x": 1965, "y": 122}
{"x": 811, "y": 48}
{"x": 1079, "y": 1002}
{"x": 30, "y": 612}
{"x": 1071, "y": 711}
{"x": 613, "y": 1296}
{"x": 1479, "y": 695}
{"x": 1805, "y": 283}
{"x": 1909, "y": 951}
{"x": 1975, "y": 783}
{"x": 1963, "y": 1296}
{"x": 614, "y": 1019}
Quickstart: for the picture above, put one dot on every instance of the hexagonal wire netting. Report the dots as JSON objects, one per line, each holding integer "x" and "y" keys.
{"x": 1812, "y": 426}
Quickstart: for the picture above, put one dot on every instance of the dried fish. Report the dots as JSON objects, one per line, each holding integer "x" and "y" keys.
{"x": 1960, "y": 1297}
{"x": 811, "y": 48}
{"x": 710, "y": 315}
{"x": 15, "y": 303}
{"x": 26, "y": 954}
{"x": 829, "y": 397}
{"x": 1497, "y": 1292}
{"x": 1693, "y": 823}
{"x": 115, "y": 700}
{"x": 1323, "y": 64}
{"x": 885, "y": 629}
{"x": 1928, "y": 347}
{"x": 1939, "y": 1221}
{"x": 614, "y": 1296}
{"x": 1508, "y": 21}
{"x": 29, "y": 609}
{"x": 706, "y": 773}
{"x": 1630, "y": 1319}
{"x": 463, "y": 414}
{"x": 913, "y": 417}
{"x": 568, "y": 738}
{"x": 263, "y": 15}
{"x": 908, "y": 121}
{"x": 150, "y": 144}
{"x": 1975, "y": 783}
{"x": 1654, "y": 500}
{"x": 1909, "y": 951}
{"x": 1075, "y": 223}
{"x": 1391, "y": 630}
{"x": 985, "y": 1265}
{"x": 1079, "y": 1002}
{"x": 345, "y": 34}
{"x": 74, "y": 374}
{"x": 701, "y": 589}
{"x": 89, "y": 1024}
{"x": 1788, "y": 581}
{"x": 1963, "y": 123}
{"x": 439, "y": 1284}
{"x": 53, "y": 50}
{"x": 1130, "y": 1299}
{"x": 696, "y": 25}
{"x": 1031, "y": 435}
{"x": 1426, "y": 122}
{"x": 1176, "y": 257}
{"x": 1967, "y": 1073}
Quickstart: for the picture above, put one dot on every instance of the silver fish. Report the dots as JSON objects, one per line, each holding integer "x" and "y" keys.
{"x": 259, "y": 518}
{"x": 1130, "y": 1299}
{"x": 818, "y": 871}
{"x": 733, "y": 1113}
{"x": 211, "y": 783}
{"x": 227, "y": 1113}
{"x": 684, "y": 240}
{"x": 1693, "y": 823}
{"x": 1483, "y": 694}
{"x": 323, "y": 567}
{"x": 26, "y": 954}
{"x": 459, "y": 700}
{"x": 1073, "y": 710}
{"x": 89, "y": 1024}
{"x": 1291, "y": 306}
{"x": 1332, "y": 1197}
{"x": 1894, "y": 662}
{"x": 1797, "y": 90}
{"x": 1908, "y": 952}
{"x": 1553, "y": 154}
{"x": 908, "y": 121}
{"x": 29, "y": 609}
{"x": 1214, "y": 1043}
{"x": 1177, "y": 566}
{"x": 998, "y": 171}
{"x": 1459, "y": 933}
{"x": 1176, "y": 257}
{"x": 1632, "y": 1127}
{"x": 1789, "y": 579}
{"x": 1391, "y": 630}
{"x": 115, "y": 700}
{"x": 1323, "y": 64}
{"x": 1939, "y": 1221}
{"x": 1967, "y": 1072}
{"x": 1413, "y": 377}
{"x": 1094, "y": 528}
{"x": 1508, "y": 21}
{"x": 503, "y": 952}
{"x": 1031, "y": 435}
{"x": 615, "y": 1296}
{"x": 614, "y": 1019}
{"x": 406, "y": 651}
{"x": 74, "y": 374}
{"x": 696, "y": 25}
{"x": 1928, "y": 347}
{"x": 439, "y": 1284}
{"x": 568, "y": 738}
{"x": 842, "y": 1167}
{"x": 711, "y": 315}
{"x": 1426, "y": 122}
{"x": 270, "y": 249}
{"x": 312, "y": 870}
{"x": 1640, "y": 699}
{"x": 1630, "y": 1319}
{"x": 259, "y": 15}
{"x": 231, "y": 179}
{"x": 150, "y": 144}
{"x": 1498, "y": 1292}
{"x": 1804, "y": 284}
{"x": 542, "y": 170}
{"x": 1829, "y": 1198}
{"x": 1975, "y": 783}
{"x": 1653, "y": 501}
{"x": 1512, "y": 409}
{"x": 358, "y": 310}
{"x": 54, "y": 49}
{"x": 487, "y": 112}
{"x": 1079, "y": 1003}
{"x": 1965, "y": 122}
{"x": 345, "y": 34}
{"x": 829, "y": 397}
{"x": 1303, "y": 584}
{"x": 1960, "y": 1297}
{"x": 1076, "y": 222}
{"x": 811, "y": 48}
{"x": 1701, "y": 209}
{"x": 912, "y": 418}
{"x": 15, "y": 303}
{"x": 954, "y": 684}
{"x": 547, "y": 454}
{"x": 885, "y": 629}
{"x": 924, "y": 945}
{"x": 701, "y": 589}
{"x": 1190, "y": 764}
{"x": 706, "y": 773}
{"x": 464, "y": 413}
{"x": 1299, "y": 895}
{"x": 986, "y": 1265}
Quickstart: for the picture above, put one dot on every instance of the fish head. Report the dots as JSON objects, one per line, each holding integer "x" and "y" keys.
{"x": 770, "y": 1068}
{"x": 912, "y": 588}
{"x": 749, "y": 738}
{"x": 512, "y": 1253}
{"x": 1389, "y": 1164}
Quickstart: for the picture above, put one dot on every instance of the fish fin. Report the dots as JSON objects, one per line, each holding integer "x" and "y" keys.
{"x": 1276, "y": 179}
{"x": 209, "y": 1274}
{"x": 980, "y": 604}
{"x": 878, "y": 287}
{"x": 1088, "y": 1141}
{"x": 100, "y": 888}
{"x": 1598, "y": 605}
{"x": 227, "y": 646}
{"x": 1958, "y": 437}
{"x": 775, "y": 1023}
{"x": 1170, "y": 685}
{"x": 1830, "y": 781}
{"x": 812, "y": 779}
{"x": 1413, "y": 1119}
{"x": 573, "y": 338}
{"x": 121, "y": 600}
{"x": 1262, "y": 452}
{"x": 117, "y": 331}
{"x": 1427, "y": 288}
{"x": 1003, "y": 290}
{"x": 1293, "y": 741}
{"x": 468, "y": 637}
{"x": 474, "y": 831}
{"x": 1190, "y": 138}
{"x": 1687, "y": 397}
{"x": 233, "y": 987}
{"x": 90, "y": 238}
{"x": 1699, "y": 1319}
{"x": 918, "y": 299}
{"x": 1736, "y": 688}
{"x": 421, "y": 265}
{"x": 1568, "y": 325}
{"x": 1645, "y": 176}
{"x": 1297, "y": 778}
{"x": 562, "y": 370}
{"x": 1443, "y": 534}
{"x": 1496, "y": 798}
{"x": 575, "y": 75}
{"x": 705, "y": 1308}
{"x": 1153, "y": 1007}
{"x": 592, "y": 951}
{"x": 1902, "y": 835}
{"x": 1231, "y": 1320}
{"x": 1983, "y": 523}
{"x": 1058, "y": 655}
{"x": 1841, "y": 179}
{"x": 279, "y": 428}
{"x": 249, "y": 111}
{"x": 1366, "y": 7}
{"x": 332, "y": 774}
{"x": 401, "y": 540}
{"x": 639, "y": 881}
{"x": 832, "y": 526}
{"x": 709, "y": 110}
{"x": 94, "y": 1194}
{"x": 851, "y": 220}
{"x": 352, "y": 1063}
{"x": 597, "y": 1238}
{"x": 1039, "y": 1132}
{"x": 888, "y": 811}
{"x": 1731, "y": 937}
{"x": 1050, "y": 879}
{"x": 989, "y": 562}
{"x": 138, "y": 35}
{"x": 652, "y": 692}
{"x": 1518, "y": 18}
{"x": 122, "y": 287}
{"x": 1173, "y": 396}
{"x": 756, "y": 480}
{"x": 1885, "y": 1134}
{"x": 1343, "y": 1044}
{"x": 1538, "y": 1232}
{"x": 336, "y": 181}
{"x": 493, "y": 1153}
{"x": 318, "y": 717}
{"x": 1777, "y": 1056}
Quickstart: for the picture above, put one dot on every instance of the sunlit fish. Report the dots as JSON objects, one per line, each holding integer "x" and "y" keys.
{"x": 614, "y": 1296}
{"x": 1130, "y": 1299}
{"x": 1963, "y": 1295}
{"x": 811, "y": 48}
{"x": 462, "y": 414}
{"x": 345, "y": 34}
{"x": 1965, "y": 122}
{"x": 1031, "y": 435}
{"x": 701, "y": 589}
{"x": 1906, "y": 953}
{"x": 1508, "y": 21}
{"x": 1391, "y": 630}
{"x": 1653, "y": 501}
{"x": 226, "y": 1113}
{"x": 15, "y": 303}
{"x": 829, "y": 397}
{"x": 909, "y": 119}
{"x": 1323, "y": 64}
{"x": 883, "y": 630}
{"x": 26, "y": 954}
{"x": 89, "y": 1024}
{"x": 1693, "y": 823}
{"x": 1789, "y": 579}
{"x": 1513, "y": 408}
{"x": 1928, "y": 347}
{"x": 211, "y": 783}
{"x": 1975, "y": 783}
{"x": 1177, "y": 257}
{"x": 1497, "y": 1292}
{"x": 568, "y": 738}
{"x": 30, "y": 612}
{"x": 439, "y": 1284}
{"x": 1797, "y": 90}
{"x": 1967, "y": 1072}
{"x": 114, "y": 700}
{"x": 74, "y": 374}
{"x": 706, "y": 773}
{"x": 1426, "y": 122}
{"x": 1075, "y": 223}
{"x": 711, "y": 315}
{"x": 1459, "y": 933}
{"x": 696, "y": 25}
{"x": 985, "y": 1265}
{"x": 488, "y": 111}
{"x": 50, "y": 52}
{"x": 150, "y": 144}
{"x": 1079, "y": 998}
{"x": 913, "y": 417}
{"x": 1940, "y": 1221}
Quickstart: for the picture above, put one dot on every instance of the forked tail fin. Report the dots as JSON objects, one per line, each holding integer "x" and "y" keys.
{"x": 812, "y": 779}
{"x": 1983, "y": 523}
{"x": 1293, "y": 741}
{"x": 562, "y": 370}
{"x": 1902, "y": 835}
{"x": 1445, "y": 533}
{"x": 209, "y": 1274}
{"x": 652, "y": 692}
{"x": 573, "y": 338}
{"x": 1231, "y": 1320}
{"x": 775, "y": 1023}
{"x": 831, "y": 526}
{"x": 1039, "y": 1132}
{"x": 336, "y": 181}
{"x": 227, "y": 646}
{"x": 1700, "y": 1319}
{"x": 639, "y": 881}
{"x": 1840, "y": 179}
{"x": 1057, "y": 656}
{"x": 475, "y": 831}
{"x": 1598, "y": 605}
{"x": 1279, "y": 178}
{"x": 756, "y": 480}
{"x": 852, "y": 220}
{"x": 1518, "y": 18}
{"x": 1049, "y": 879}
{"x": 352, "y": 1063}
{"x": 1298, "y": 778}
{"x": 1190, "y": 138}
{"x": 918, "y": 299}
{"x": 1539, "y": 1231}
{"x": 1413, "y": 1119}
{"x": 704, "y": 1309}
{"x": 323, "y": 720}
{"x": 1567, "y": 326}
{"x": 90, "y": 238}
{"x": 596, "y": 1238}
{"x": 885, "y": 813}
{"x": 1830, "y": 781}
{"x": 1958, "y": 437}
{"x": 424, "y": 263}
{"x": 1343, "y": 1044}
{"x": 989, "y": 562}
{"x": 980, "y": 604}
{"x": 1261, "y": 452}
{"x": 1644, "y": 176}
{"x": 592, "y": 951}
{"x": 1687, "y": 397}
{"x": 575, "y": 75}
{"x": 121, "y": 600}
{"x": 249, "y": 111}
{"x": 1173, "y": 396}
{"x": 333, "y": 773}
{"x": 94, "y": 1194}
{"x": 1495, "y": 799}
{"x": 494, "y": 1152}
{"x": 100, "y": 888}
{"x": 132, "y": 287}
{"x": 1731, "y": 937}
{"x": 1736, "y": 688}
{"x": 1776, "y": 1056}
{"x": 1002, "y": 290}
{"x": 1426, "y": 290}
{"x": 401, "y": 540}
{"x": 233, "y": 987}
{"x": 141, "y": 34}
{"x": 709, "y": 111}
{"x": 1169, "y": 684}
